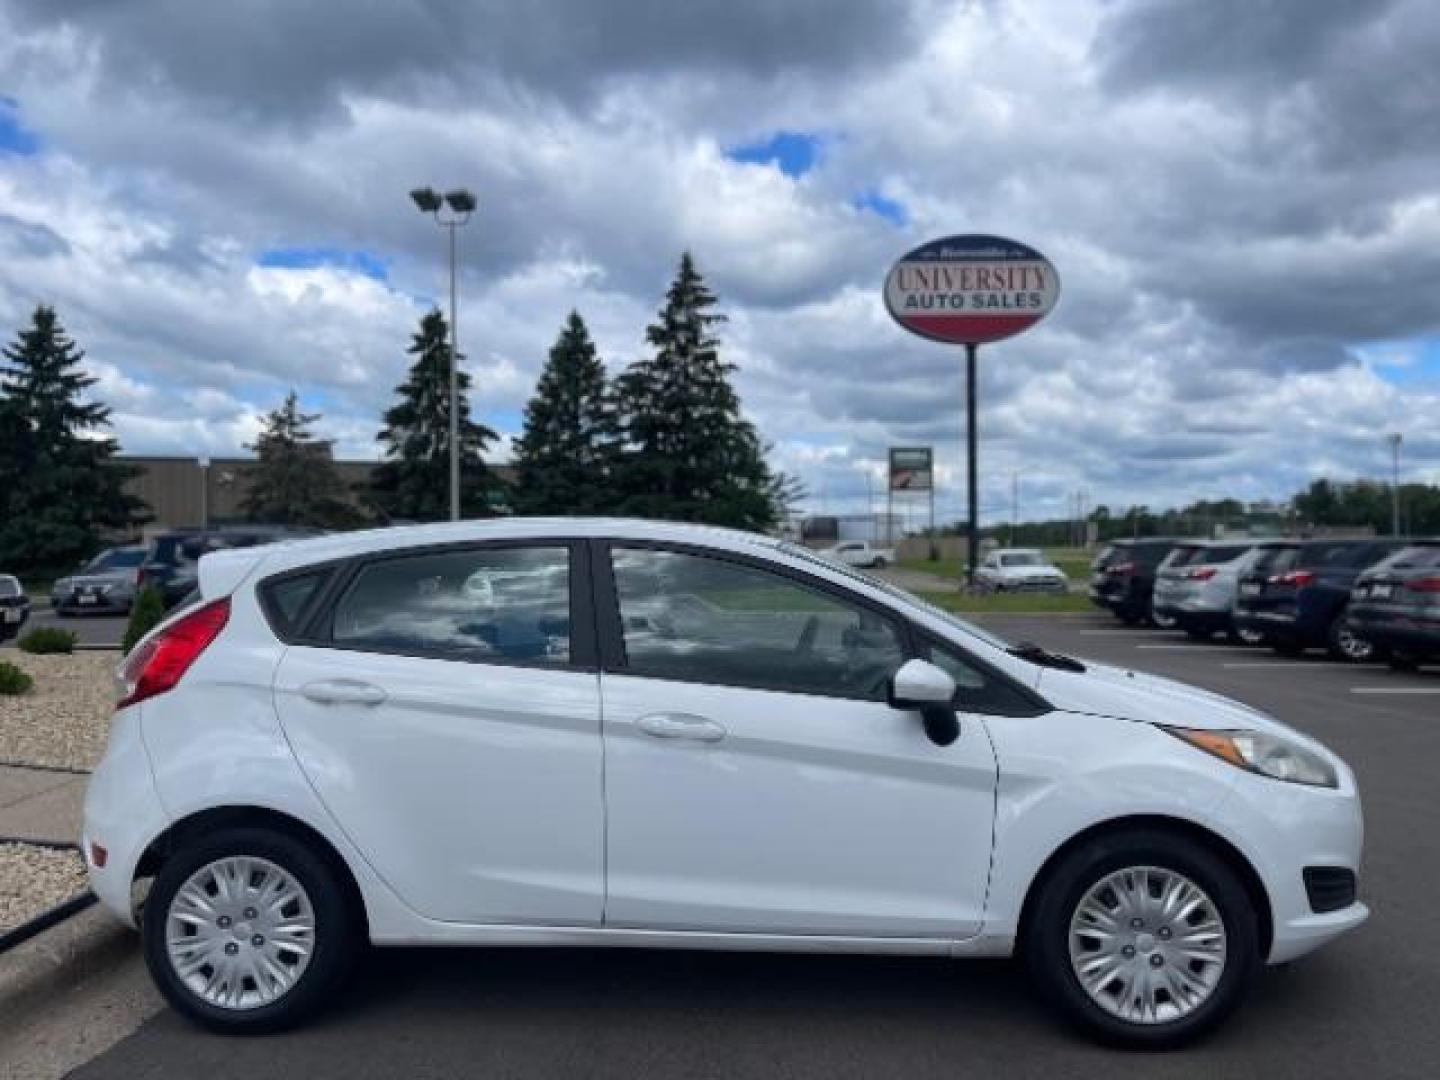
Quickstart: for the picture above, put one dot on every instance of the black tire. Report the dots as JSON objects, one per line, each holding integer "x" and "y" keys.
{"x": 1045, "y": 945}
{"x": 1286, "y": 648}
{"x": 1348, "y": 647}
{"x": 337, "y": 939}
{"x": 1403, "y": 661}
{"x": 1196, "y": 634}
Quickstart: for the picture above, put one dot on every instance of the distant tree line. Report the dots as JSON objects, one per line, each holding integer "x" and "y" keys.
{"x": 665, "y": 438}
{"x": 1324, "y": 505}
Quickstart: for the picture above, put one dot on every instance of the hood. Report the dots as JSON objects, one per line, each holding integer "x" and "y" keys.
{"x": 1130, "y": 695}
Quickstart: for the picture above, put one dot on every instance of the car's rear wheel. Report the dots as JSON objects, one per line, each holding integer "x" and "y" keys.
{"x": 1403, "y": 661}
{"x": 1146, "y": 938}
{"x": 1163, "y": 621}
{"x": 1346, "y": 645}
{"x": 248, "y": 930}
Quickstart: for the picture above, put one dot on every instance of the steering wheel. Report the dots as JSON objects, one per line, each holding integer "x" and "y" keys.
{"x": 806, "y": 645}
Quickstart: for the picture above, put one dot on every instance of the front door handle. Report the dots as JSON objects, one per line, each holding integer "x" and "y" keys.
{"x": 343, "y": 692}
{"x": 680, "y": 726}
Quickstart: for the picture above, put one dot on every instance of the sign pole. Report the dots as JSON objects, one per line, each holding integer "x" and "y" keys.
{"x": 971, "y": 465}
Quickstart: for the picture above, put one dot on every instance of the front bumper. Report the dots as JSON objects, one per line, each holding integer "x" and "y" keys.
{"x": 1287, "y": 828}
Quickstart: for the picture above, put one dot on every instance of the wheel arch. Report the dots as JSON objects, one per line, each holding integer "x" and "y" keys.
{"x": 1214, "y": 842}
{"x": 222, "y": 817}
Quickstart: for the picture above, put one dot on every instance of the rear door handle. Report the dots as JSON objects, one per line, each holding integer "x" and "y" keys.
{"x": 680, "y": 726}
{"x": 343, "y": 692}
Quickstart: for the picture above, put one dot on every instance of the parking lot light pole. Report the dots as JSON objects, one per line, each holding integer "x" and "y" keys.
{"x": 1394, "y": 439}
{"x": 461, "y": 205}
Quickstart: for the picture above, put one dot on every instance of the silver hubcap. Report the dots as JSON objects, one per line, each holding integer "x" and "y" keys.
{"x": 1147, "y": 945}
{"x": 240, "y": 932}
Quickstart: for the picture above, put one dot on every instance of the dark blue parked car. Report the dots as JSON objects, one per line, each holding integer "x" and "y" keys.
{"x": 1296, "y": 595}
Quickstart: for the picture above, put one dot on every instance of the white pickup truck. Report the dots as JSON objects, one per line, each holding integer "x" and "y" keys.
{"x": 859, "y": 553}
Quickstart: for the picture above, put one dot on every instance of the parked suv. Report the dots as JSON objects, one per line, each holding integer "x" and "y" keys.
{"x": 1295, "y": 595}
{"x": 1123, "y": 576}
{"x": 1195, "y": 586}
{"x": 170, "y": 563}
{"x": 1396, "y": 605}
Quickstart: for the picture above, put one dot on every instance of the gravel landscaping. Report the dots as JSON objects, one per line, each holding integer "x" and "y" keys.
{"x": 35, "y": 879}
{"x": 64, "y": 719}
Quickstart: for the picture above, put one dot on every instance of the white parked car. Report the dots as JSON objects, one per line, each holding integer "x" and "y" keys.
{"x": 1020, "y": 570}
{"x": 345, "y": 738}
{"x": 861, "y": 554}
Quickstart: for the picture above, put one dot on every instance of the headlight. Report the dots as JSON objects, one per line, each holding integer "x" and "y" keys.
{"x": 1258, "y": 752}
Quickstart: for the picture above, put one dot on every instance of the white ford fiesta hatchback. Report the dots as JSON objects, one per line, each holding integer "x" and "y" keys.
{"x": 621, "y": 733}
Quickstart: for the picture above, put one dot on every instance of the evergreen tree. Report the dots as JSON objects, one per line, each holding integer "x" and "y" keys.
{"x": 60, "y": 487}
{"x": 295, "y": 481}
{"x": 687, "y": 453}
{"x": 563, "y": 457}
{"x": 413, "y": 482}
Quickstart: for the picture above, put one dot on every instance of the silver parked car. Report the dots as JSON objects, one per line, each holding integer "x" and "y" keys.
{"x": 105, "y": 584}
{"x": 1020, "y": 570}
{"x": 1196, "y": 585}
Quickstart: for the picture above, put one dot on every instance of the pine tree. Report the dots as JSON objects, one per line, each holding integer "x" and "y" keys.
{"x": 413, "y": 482}
{"x": 60, "y": 487}
{"x": 688, "y": 454}
{"x": 295, "y": 481}
{"x": 563, "y": 457}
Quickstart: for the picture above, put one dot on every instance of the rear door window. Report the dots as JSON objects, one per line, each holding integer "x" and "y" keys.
{"x": 502, "y": 605}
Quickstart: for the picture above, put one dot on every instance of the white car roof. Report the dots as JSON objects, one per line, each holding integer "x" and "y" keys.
{"x": 313, "y": 549}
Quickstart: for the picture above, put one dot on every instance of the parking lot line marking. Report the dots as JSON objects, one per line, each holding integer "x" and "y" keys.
{"x": 1395, "y": 689}
{"x": 1268, "y": 664}
{"x": 1207, "y": 648}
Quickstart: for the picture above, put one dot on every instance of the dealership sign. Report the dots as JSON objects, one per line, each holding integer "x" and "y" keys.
{"x": 967, "y": 290}
{"x": 912, "y": 468}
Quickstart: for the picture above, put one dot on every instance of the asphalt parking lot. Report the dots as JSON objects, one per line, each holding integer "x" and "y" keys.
{"x": 1363, "y": 1007}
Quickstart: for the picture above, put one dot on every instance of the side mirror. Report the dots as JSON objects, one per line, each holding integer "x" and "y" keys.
{"x": 920, "y": 685}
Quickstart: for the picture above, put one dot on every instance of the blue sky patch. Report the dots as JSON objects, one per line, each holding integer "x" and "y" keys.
{"x": 881, "y": 206}
{"x": 307, "y": 258}
{"x": 1406, "y": 362}
{"x": 14, "y": 139}
{"x": 794, "y": 153}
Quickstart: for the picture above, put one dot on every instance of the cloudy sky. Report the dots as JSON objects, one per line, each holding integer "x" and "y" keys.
{"x": 1242, "y": 199}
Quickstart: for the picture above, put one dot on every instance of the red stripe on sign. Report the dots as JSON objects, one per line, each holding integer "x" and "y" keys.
{"x": 969, "y": 328}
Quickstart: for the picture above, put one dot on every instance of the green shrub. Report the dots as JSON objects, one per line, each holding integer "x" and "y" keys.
{"x": 47, "y": 639}
{"x": 13, "y": 681}
{"x": 148, "y": 609}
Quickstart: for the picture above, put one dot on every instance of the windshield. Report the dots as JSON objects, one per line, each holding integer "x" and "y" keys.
{"x": 116, "y": 559}
{"x": 895, "y": 591}
{"x": 1419, "y": 557}
{"x": 1023, "y": 558}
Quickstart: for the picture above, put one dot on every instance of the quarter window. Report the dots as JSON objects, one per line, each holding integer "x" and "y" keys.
{"x": 701, "y": 619}
{"x": 498, "y": 604}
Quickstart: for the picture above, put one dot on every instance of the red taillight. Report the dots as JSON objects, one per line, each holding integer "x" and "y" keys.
{"x": 1424, "y": 584}
{"x": 1203, "y": 573}
{"x": 1121, "y": 568}
{"x": 157, "y": 664}
{"x": 1297, "y": 578}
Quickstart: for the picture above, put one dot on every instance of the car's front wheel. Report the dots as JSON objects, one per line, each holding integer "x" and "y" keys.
{"x": 1145, "y": 937}
{"x": 248, "y": 930}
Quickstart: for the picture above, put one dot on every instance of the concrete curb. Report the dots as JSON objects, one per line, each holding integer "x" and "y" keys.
{"x": 52, "y": 916}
